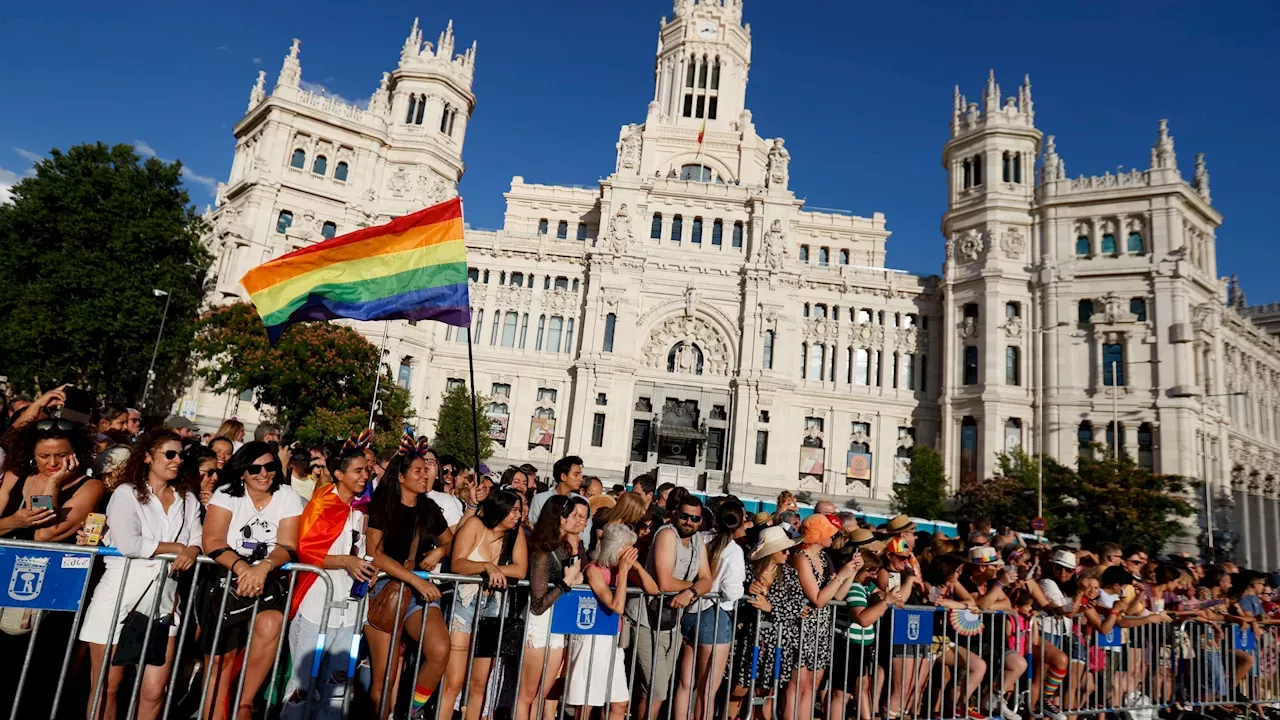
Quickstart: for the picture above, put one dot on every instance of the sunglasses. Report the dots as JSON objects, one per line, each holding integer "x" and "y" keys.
{"x": 689, "y": 518}
{"x": 63, "y": 425}
{"x": 170, "y": 454}
{"x": 211, "y": 472}
{"x": 256, "y": 468}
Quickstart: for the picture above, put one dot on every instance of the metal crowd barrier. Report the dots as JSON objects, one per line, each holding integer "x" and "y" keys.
{"x": 912, "y": 662}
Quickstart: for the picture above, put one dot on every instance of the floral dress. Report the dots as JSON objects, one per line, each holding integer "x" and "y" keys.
{"x": 750, "y": 623}
{"x": 810, "y": 646}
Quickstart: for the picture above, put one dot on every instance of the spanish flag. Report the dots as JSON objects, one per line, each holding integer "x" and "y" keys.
{"x": 413, "y": 268}
{"x": 702, "y": 132}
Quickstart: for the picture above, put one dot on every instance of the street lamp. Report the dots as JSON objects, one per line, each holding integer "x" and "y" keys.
{"x": 151, "y": 370}
{"x": 1040, "y": 420}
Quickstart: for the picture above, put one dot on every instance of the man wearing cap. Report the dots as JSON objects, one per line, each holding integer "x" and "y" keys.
{"x": 180, "y": 425}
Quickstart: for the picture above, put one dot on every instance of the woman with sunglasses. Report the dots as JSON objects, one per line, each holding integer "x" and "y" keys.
{"x": 151, "y": 513}
{"x": 251, "y": 530}
{"x": 331, "y": 535}
{"x": 200, "y": 474}
{"x": 45, "y": 493}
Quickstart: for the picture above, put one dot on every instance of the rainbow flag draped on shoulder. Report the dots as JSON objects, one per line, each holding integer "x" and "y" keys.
{"x": 413, "y": 268}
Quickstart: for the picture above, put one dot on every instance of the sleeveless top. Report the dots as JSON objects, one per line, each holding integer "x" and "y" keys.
{"x": 16, "y": 499}
{"x": 687, "y": 560}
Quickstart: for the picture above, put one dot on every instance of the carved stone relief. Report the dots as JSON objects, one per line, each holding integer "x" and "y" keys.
{"x": 693, "y": 330}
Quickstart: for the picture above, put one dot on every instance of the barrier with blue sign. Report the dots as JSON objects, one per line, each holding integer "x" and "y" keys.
{"x": 912, "y": 626}
{"x": 1243, "y": 639}
{"x": 579, "y": 612}
{"x": 43, "y": 579}
{"x": 1111, "y": 639}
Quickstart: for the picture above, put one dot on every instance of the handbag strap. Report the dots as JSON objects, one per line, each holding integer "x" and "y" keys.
{"x": 182, "y": 526}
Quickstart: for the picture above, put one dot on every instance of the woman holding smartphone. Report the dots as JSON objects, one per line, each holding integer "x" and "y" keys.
{"x": 251, "y": 530}
{"x": 558, "y": 556}
{"x": 151, "y": 513}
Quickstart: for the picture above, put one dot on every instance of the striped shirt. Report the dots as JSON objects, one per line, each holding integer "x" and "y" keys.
{"x": 856, "y": 599}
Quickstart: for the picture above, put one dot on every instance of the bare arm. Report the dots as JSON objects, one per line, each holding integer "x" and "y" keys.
{"x": 467, "y": 537}
{"x": 664, "y": 562}
{"x": 614, "y": 600}
{"x": 644, "y": 580}
{"x": 73, "y": 512}
{"x": 818, "y": 597}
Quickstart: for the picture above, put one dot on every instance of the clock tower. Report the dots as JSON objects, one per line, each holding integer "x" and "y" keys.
{"x": 704, "y": 52}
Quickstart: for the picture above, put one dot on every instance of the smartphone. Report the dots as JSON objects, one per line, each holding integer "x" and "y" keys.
{"x": 93, "y": 525}
{"x": 41, "y": 502}
{"x": 78, "y": 406}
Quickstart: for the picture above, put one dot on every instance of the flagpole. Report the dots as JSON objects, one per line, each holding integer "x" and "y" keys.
{"x": 475, "y": 419}
{"x": 377, "y": 371}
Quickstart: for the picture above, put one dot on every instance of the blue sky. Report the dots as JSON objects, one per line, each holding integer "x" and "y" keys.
{"x": 861, "y": 91}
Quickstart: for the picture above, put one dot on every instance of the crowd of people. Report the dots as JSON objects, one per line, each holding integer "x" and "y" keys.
{"x": 435, "y": 585}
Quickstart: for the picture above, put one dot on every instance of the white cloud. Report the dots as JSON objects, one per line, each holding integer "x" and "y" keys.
{"x": 143, "y": 148}
{"x": 32, "y": 157}
{"x": 320, "y": 89}
{"x": 8, "y": 179}
{"x": 190, "y": 176}
{"x": 257, "y": 61}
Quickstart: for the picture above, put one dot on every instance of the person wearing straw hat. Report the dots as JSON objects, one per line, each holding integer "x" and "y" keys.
{"x": 819, "y": 584}
{"x": 756, "y": 626}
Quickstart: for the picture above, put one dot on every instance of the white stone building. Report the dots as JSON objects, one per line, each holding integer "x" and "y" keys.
{"x": 691, "y": 314}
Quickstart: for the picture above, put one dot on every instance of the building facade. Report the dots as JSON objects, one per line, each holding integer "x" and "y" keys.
{"x": 690, "y": 314}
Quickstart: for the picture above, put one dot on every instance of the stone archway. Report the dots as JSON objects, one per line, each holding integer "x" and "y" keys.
{"x": 691, "y": 331}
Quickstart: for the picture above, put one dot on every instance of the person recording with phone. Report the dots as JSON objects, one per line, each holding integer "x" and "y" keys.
{"x": 151, "y": 513}
{"x": 251, "y": 530}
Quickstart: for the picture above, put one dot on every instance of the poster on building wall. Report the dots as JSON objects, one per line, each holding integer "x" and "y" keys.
{"x": 858, "y": 466}
{"x": 812, "y": 461}
{"x": 498, "y": 427}
{"x": 542, "y": 431}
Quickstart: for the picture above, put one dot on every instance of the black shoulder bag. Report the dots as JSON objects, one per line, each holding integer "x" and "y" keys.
{"x": 134, "y": 631}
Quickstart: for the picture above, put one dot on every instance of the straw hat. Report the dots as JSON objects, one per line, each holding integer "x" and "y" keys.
{"x": 772, "y": 540}
{"x": 762, "y": 519}
{"x": 985, "y": 556}
{"x": 900, "y": 524}
{"x": 863, "y": 539}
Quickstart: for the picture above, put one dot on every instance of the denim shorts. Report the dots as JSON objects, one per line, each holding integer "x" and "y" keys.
{"x": 712, "y": 625}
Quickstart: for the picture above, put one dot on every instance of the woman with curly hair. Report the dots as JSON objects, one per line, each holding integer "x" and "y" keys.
{"x": 151, "y": 513}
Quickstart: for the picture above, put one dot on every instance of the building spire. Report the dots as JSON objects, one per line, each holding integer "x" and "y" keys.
{"x": 291, "y": 68}
{"x": 1053, "y": 168}
{"x": 413, "y": 43}
{"x": 259, "y": 91}
{"x": 1201, "y": 182}
{"x": 1024, "y": 97}
{"x": 991, "y": 100}
{"x": 1162, "y": 154}
{"x": 444, "y": 47}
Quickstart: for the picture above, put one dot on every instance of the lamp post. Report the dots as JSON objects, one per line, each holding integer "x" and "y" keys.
{"x": 151, "y": 370}
{"x": 1040, "y": 419}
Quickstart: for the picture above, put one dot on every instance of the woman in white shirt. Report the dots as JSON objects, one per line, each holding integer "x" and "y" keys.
{"x": 707, "y": 626}
{"x": 251, "y": 530}
{"x": 149, "y": 514}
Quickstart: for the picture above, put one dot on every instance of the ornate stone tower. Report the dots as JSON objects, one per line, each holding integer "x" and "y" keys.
{"x": 988, "y": 326}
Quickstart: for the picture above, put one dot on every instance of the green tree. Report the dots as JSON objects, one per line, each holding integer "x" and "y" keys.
{"x": 455, "y": 434}
{"x": 924, "y": 495}
{"x": 1122, "y": 502}
{"x": 85, "y": 242}
{"x": 318, "y": 380}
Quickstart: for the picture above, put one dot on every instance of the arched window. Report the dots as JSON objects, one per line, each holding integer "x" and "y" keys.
{"x": 909, "y": 371}
{"x": 568, "y": 337}
{"x": 562, "y": 283}
{"x": 817, "y": 361}
{"x": 582, "y": 232}
{"x": 1082, "y": 246}
{"x": 524, "y": 329}
{"x": 968, "y": 450}
{"x": 737, "y": 234}
{"x": 1012, "y": 310}
{"x": 320, "y": 166}
{"x": 1084, "y": 439}
{"x": 575, "y": 284}
{"x": 413, "y": 108}
{"x": 554, "y": 330}
{"x": 677, "y": 229}
{"x": 1084, "y": 311}
{"x": 542, "y": 226}
{"x": 968, "y": 174}
{"x": 844, "y": 257}
{"x": 1135, "y": 242}
{"x": 562, "y": 230}
{"x": 299, "y": 159}
{"x": 329, "y": 230}
{"x": 767, "y": 361}
{"x": 685, "y": 358}
{"x": 1007, "y": 167}
{"x": 715, "y": 76}
{"x": 696, "y": 238}
{"x": 284, "y": 221}
{"x": 1146, "y": 446}
{"x": 1113, "y": 364}
{"x": 655, "y": 228}
{"x": 542, "y": 321}
{"x": 478, "y": 332}
{"x": 1108, "y": 244}
{"x": 804, "y": 253}
{"x": 820, "y": 310}
{"x": 509, "y": 322}
{"x": 340, "y": 172}
{"x": 862, "y": 367}
{"x": 517, "y": 279}
{"x": 717, "y": 233}
{"x": 422, "y": 110}
{"x": 610, "y": 325}
{"x": 970, "y": 365}
{"x": 1138, "y": 306}
{"x": 1017, "y": 167}
{"x": 444, "y": 119}
{"x": 697, "y": 173}
{"x": 977, "y": 169}
{"x": 824, "y": 257}
{"x": 1012, "y": 366}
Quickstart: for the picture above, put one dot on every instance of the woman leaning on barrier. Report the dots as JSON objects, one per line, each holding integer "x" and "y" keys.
{"x": 756, "y": 636}
{"x": 251, "y": 530}
{"x": 707, "y": 627}
{"x": 150, "y": 513}
{"x": 491, "y": 545}
{"x": 407, "y": 533}
{"x": 557, "y": 556}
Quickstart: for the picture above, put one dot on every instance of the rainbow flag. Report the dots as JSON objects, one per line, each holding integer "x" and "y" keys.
{"x": 413, "y": 268}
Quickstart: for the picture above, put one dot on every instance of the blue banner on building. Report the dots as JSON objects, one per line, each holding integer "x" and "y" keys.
{"x": 579, "y": 612}
{"x": 912, "y": 627}
{"x": 43, "y": 579}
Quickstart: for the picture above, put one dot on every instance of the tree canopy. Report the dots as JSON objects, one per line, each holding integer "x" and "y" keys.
{"x": 454, "y": 432}
{"x": 87, "y": 240}
{"x": 925, "y": 494}
{"x": 318, "y": 380}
